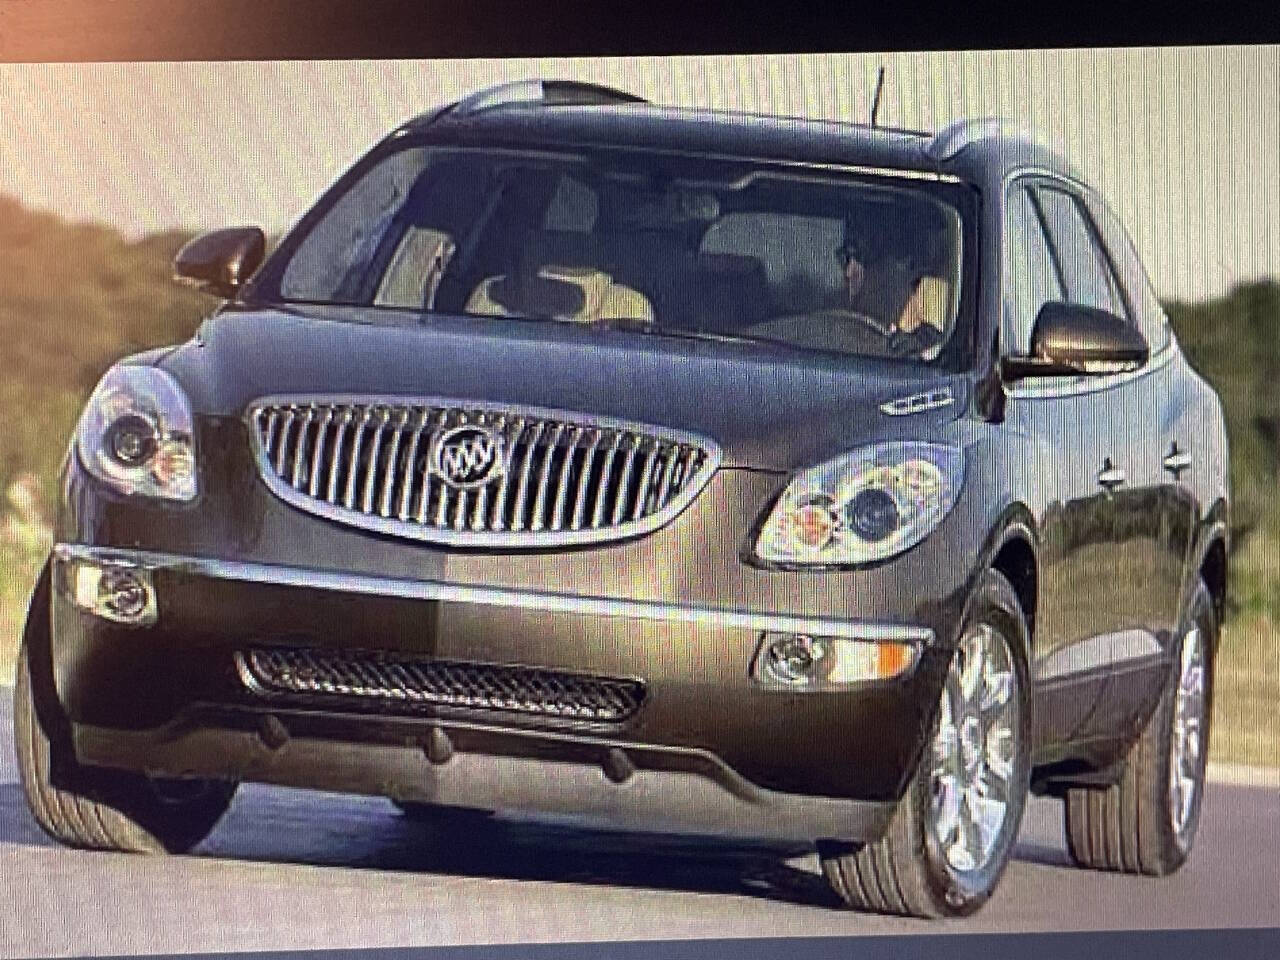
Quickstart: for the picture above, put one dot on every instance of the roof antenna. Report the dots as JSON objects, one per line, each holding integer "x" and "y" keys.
{"x": 875, "y": 101}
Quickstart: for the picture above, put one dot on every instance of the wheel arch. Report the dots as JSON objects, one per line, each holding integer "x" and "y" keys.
{"x": 1211, "y": 566}
{"x": 1011, "y": 551}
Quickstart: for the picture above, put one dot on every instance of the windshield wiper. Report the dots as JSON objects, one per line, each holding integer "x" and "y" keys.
{"x": 638, "y": 325}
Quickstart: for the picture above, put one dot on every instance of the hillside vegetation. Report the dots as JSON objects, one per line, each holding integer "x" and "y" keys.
{"x": 74, "y": 298}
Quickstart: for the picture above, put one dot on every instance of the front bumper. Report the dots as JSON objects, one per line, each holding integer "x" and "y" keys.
{"x": 708, "y": 751}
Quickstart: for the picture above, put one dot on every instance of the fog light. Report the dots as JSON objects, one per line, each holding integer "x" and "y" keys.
{"x": 795, "y": 659}
{"x": 802, "y": 661}
{"x": 120, "y": 594}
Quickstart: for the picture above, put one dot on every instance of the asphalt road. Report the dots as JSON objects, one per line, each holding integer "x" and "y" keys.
{"x": 292, "y": 870}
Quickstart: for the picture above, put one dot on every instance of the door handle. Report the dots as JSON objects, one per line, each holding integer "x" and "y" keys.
{"x": 1110, "y": 476}
{"x": 1176, "y": 461}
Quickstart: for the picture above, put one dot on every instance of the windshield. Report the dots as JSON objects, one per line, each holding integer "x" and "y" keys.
{"x": 669, "y": 245}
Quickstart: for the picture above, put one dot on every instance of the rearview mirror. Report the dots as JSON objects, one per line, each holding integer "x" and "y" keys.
{"x": 221, "y": 261}
{"x": 1070, "y": 339}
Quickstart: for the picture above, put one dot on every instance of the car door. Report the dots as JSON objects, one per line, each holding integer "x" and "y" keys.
{"x": 1160, "y": 535}
{"x": 1123, "y": 639}
{"x": 1169, "y": 445}
{"x": 1072, "y": 428}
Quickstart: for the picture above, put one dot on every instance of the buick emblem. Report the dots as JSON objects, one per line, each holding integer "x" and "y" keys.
{"x": 468, "y": 457}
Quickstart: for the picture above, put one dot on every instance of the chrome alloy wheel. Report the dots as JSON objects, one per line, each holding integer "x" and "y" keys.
{"x": 1187, "y": 740}
{"x": 974, "y": 750}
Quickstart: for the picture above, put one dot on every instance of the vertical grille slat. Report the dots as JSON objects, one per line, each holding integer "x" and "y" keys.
{"x": 620, "y": 498}
{"x": 668, "y": 471}
{"x": 688, "y": 465}
{"x": 518, "y": 519}
{"x": 460, "y": 511}
{"x": 411, "y": 465}
{"x": 602, "y": 486}
{"x": 269, "y": 442}
{"x": 534, "y": 478}
{"x": 584, "y": 480}
{"x": 442, "y": 506}
{"x": 339, "y": 434}
{"x": 371, "y": 471}
{"x": 353, "y": 470}
{"x": 500, "y": 499}
{"x": 282, "y": 445}
{"x": 391, "y": 472}
{"x": 335, "y": 462}
{"x": 550, "y": 448}
{"x": 646, "y": 478}
{"x": 317, "y": 452}
{"x": 562, "y": 488}
{"x": 300, "y": 450}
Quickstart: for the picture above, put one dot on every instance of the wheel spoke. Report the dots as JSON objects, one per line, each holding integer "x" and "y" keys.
{"x": 997, "y": 689}
{"x": 947, "y": 807}
{"x": 960, "y": 853}
{"x": 945, "y": 745}
{"x": 999, "y": 760}
{"x": 971, "y": 673}
{"x": 947, "y": 740}
{"x": 988, "y": 818}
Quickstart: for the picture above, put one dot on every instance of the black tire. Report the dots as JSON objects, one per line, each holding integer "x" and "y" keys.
{"x": 91, "y": 807}
{"x": 1129, "y": 827}
{"x": 905, "y": 872}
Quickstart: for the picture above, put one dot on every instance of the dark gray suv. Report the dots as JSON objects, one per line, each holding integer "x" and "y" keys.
{"x": 680, "y": 470}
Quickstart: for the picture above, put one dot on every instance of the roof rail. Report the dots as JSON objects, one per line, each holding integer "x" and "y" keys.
{"x": 546, "y": 92}
{"x": 950, "y": 140}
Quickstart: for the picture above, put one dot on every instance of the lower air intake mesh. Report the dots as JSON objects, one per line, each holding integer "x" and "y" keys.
{"x": 385, "y": 679}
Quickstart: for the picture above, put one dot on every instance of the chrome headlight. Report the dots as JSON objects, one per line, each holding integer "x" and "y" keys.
{"x": 863, "y": 506}
{"x": 137, "y": 434}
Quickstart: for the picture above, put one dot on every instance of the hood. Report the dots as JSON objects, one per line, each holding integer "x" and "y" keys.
{"x": 768, "y": 407}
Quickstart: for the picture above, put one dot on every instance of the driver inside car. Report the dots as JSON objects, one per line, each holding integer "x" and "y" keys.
{"x": 891, "y": 289}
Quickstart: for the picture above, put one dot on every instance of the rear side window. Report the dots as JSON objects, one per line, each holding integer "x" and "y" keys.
{"x": 1032, "y": 277}
{"x": 1151, "y": 318}
{"x": 1085, "y": 270}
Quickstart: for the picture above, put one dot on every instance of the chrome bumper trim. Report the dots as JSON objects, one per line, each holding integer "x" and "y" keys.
{"x": 288, "y": 576}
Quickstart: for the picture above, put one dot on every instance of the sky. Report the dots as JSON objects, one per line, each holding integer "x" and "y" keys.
{"x": 1185, "y": 142}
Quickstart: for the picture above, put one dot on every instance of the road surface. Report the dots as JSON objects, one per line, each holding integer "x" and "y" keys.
{"x": 291, "y": 869}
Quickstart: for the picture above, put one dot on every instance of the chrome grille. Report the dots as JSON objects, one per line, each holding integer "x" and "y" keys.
{"x": 567, "y": 478}
{"x": 385, "y": 681}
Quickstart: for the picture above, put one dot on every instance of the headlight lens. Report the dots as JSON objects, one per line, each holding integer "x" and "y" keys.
{"x": 864, "y": 506}
{"x": 136, "y": 434}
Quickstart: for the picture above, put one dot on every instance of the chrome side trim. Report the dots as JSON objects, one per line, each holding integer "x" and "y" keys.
{"x": 370, "y": 585}
{"x": 1105, "y": 651}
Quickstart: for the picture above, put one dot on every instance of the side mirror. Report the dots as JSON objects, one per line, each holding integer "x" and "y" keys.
{"x": 221, "y": 261}
{"x": 1069, "y": 339}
